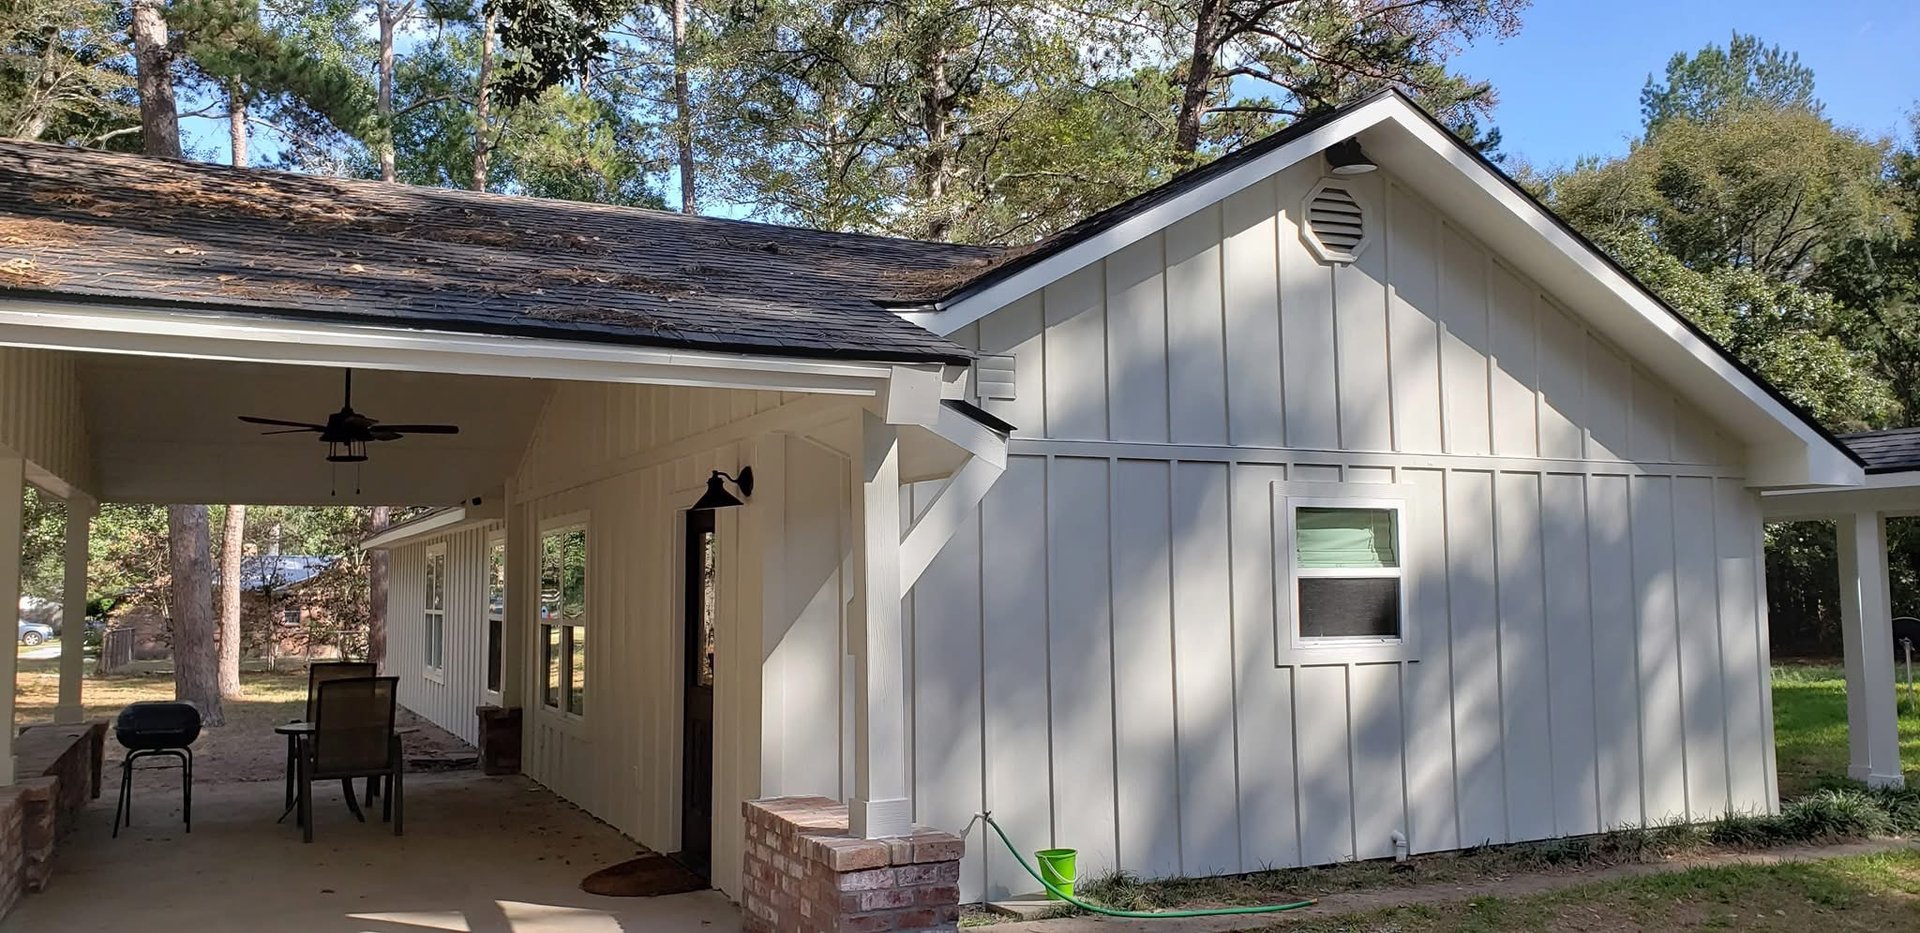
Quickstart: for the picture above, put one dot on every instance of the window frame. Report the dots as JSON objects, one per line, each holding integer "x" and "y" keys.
{"x": 1295, "y": 647}
{"x": 493, "y": 658}
{"x": 433, "y": 614}
{"x": 560, "y": 526}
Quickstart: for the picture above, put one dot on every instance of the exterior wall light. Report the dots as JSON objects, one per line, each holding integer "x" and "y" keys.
{"x": 717, "y": 496}
{"x": 1346, "y": 158}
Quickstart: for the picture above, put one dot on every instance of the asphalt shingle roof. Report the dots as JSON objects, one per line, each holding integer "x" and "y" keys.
{"x": 82, "y": 224}
{"x": 1890, "y": 451}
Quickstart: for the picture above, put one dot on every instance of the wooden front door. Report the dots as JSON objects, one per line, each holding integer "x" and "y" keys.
{"x": 702, "y": 606}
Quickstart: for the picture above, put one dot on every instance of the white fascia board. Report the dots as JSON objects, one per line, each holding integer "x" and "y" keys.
{"x": 421, "y": 527}
{"x": 108, "y": 328}
{"x": 1784, "y": 449}
{"x": 965, "y": 310}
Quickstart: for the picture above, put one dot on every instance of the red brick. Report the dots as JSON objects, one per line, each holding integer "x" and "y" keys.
{"x": 865, "y": 880}
{"x": 937, "y": 894}
{"x": 946, "y": 849}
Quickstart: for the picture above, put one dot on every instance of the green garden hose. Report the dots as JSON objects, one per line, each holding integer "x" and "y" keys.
{"x": 1129, "y": 914}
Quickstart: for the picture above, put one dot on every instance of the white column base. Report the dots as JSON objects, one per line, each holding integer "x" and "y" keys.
{"x": 7, "y": 769}
{"x": 880, "y": 819}
{"x": 69, "y": 715}
{"x": 1871, "y": 779}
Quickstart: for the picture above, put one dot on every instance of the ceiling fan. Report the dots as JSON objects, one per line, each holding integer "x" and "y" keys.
{"x": 347, "y": 432}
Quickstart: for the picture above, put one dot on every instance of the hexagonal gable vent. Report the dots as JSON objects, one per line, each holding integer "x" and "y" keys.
{"x": 1338, "y": 226}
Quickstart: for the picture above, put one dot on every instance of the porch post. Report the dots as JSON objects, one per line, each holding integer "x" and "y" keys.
{"x": 1866, "y": 630}
{"x": 522, "y": 604}
{"x": 13, "y": 480}
{"x": 73, "y": 611}
{"x": 881, "y": 806}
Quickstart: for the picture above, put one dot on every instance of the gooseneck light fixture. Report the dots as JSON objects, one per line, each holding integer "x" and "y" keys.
{"x": 717, "y": 496}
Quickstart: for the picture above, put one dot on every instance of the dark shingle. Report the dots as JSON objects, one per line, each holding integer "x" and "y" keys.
{"x": 92, "y": 225}
{"x": 1892, "y": 451}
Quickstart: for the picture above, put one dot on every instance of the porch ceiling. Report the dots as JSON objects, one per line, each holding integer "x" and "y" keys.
{"x": 167, "y": 430}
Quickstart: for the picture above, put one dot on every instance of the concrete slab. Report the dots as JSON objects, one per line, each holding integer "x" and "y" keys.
{"x": 481, "y": 855}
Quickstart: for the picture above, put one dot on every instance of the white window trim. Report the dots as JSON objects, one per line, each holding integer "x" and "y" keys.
{"x": 560, "y": 524}
{"x": 495, "y": 538}
{"x": 435, "y": 673}
{"x": 1293, "y": 648}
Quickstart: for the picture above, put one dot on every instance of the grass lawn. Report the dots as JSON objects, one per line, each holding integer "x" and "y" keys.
{"x": 1867, "y": 892}
{"x": 1810, "y": 728}
{"x": 245, "y": 750}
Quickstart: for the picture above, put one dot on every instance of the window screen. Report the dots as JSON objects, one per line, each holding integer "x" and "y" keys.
{"x": 1347, "y": 572}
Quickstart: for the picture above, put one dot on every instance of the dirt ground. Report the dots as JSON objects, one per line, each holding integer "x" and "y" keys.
{"x": 245, "y": 749}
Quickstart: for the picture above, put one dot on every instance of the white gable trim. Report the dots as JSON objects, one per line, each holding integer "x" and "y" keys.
{"x": 1783, "y": 449}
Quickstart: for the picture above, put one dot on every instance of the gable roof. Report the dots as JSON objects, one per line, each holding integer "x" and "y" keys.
{"x": 87, "y": 225}
{"x": 1422, "y": 153}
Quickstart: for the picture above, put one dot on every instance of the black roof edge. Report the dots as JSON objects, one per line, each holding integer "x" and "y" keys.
{"x": 469, "y": 326}
{"x": 1097, "y": 222}
{"x": 984, "y": 417}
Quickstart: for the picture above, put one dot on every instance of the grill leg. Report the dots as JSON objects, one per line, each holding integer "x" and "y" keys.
{"x": 186, "y": 787}
{"x": 123, "y": 807}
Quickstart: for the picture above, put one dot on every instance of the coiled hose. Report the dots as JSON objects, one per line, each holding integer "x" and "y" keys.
{"x": 987, "y": 818}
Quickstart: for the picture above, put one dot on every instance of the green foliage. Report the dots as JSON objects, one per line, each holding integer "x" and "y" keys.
{"x": 1773, "y": 190}
{"x": 66, "y": 74}
{"x": 1788, "y": 333}
{"x": 229, "y": 44}
{"x": 1715, "y": 81}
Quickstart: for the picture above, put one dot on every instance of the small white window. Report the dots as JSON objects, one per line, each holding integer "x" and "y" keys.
{"x": 433, "y": 629}
{"x": 1343, "y": 569}
{"x": 564, "y": 619}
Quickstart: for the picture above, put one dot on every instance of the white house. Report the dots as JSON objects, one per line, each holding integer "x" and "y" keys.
{"x": 1290, "y": 513}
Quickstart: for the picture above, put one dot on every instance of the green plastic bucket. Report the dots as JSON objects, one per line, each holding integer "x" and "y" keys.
{"x": 1056, "y": 866}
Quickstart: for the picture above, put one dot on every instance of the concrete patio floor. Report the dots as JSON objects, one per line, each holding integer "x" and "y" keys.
{"x": 481, "y": 855}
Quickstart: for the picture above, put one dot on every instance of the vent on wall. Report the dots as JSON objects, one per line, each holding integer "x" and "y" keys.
{"x": 1337, "y": 224}
{"x": 993, "y": 378}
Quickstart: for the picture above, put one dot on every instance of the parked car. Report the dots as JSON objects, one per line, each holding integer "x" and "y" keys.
{"x": 33, "y": 633}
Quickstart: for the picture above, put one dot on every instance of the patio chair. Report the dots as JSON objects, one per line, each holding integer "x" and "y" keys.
{"x": 318, "y": 674}
{"x": 353, "y": 737}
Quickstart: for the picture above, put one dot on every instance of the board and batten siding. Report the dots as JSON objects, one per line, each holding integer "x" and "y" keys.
{"x": 44, "y": 420}
{"x": 448, "y": 701}
{"x": 627, "y": 461}
{"x": 1098, "y": 656}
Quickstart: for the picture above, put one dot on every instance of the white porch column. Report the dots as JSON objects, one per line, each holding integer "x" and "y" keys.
{"x": 73, "y": 611}
{"x": 13, "y": 479}
{"x": 881, "y": 805}
{"x": 1866, "y": 629}
{"x": 522, "y": 606}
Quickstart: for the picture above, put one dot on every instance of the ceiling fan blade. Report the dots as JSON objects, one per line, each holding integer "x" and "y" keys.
{"x": 285, "y": 424}
{"x": 418, "y": 428}
{"x": 292, "y": 431}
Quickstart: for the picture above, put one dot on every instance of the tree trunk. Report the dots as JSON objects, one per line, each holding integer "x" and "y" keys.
{"x": 237, "y": 124}
{"x": 1199, "y": 79}
{"x": 389, "y": 16}
{"x": 233, "y": 535}
{"x": 195, "y": 675}
{"x": 153, "y": 63}
{"x": 936, "y": 119}
{"x": 683, "y": 110}
{"x": 377, "y": 567}
{"x": 482, "y": 127}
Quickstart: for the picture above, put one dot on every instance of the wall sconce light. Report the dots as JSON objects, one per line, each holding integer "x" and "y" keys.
{"x": 1346, "y": 158}
{"x": 717, "y": 496}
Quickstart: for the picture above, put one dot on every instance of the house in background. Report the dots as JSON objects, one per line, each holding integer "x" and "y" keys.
{"x": 1331, "y": 501}
{"x": 281, "y": 617}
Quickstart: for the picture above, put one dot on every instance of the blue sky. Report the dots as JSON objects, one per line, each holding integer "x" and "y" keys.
{"x": 1569, "y": 82}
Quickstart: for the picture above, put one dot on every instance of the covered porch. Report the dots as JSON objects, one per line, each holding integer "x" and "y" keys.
{"x": 1872, "y": 653}
{"x": 230, "y": 876}
{"x": 106, "y": 409}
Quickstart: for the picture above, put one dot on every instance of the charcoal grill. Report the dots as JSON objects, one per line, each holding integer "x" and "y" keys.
{"x": 156, "y": 729}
